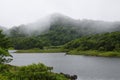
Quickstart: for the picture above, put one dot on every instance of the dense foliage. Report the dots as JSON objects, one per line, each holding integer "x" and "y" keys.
{"x": 4, "y": 44}
{"x": 27, "y": 43}
{"x": 57, "y": 35}
{"x": 4, "y": 41}
{"x": 61, "y": 29}
{"x": 100, "y": 42}
{"x": 5, "y": 57}
{"x": 60, "y": 34}
{"x": 30, "y": 72}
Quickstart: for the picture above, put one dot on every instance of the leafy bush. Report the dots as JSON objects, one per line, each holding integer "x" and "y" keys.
{"x": 5, "y": 57}
{"x": 3, "y": 77}
{"x": 34, "y": 72}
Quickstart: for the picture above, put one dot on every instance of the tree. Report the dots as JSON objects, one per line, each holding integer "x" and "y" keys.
{"x": 4, "y": 41}
{"x": 5, "y": 57}
{"x": 100, "y": 42}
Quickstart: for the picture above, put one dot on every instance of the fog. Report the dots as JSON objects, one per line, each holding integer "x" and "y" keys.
{"x": 39, "y": 26}
{"x": 17, "y": 12}
{"x": 84, "y": 26}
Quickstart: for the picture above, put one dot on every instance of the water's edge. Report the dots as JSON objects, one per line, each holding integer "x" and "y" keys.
{"x": 87, "y": 68}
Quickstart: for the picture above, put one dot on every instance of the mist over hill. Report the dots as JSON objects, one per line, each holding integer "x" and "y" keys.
{"x": 3, "y": 28}
{"x": 82, "y": 27}
{"x": 55, "y": 30}
{"x": 59, "y": 29}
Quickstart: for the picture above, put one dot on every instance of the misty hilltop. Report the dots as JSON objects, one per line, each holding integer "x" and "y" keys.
{"x": 58, "y": 22}
{"x": 57, "y": 29}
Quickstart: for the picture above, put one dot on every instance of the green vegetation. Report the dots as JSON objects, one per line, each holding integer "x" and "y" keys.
{"x": 5, "y": 57}
{"x": 56, "y": 36}
{"x": 95, "y": 53}
{"x": 30, "y": 72}
{"x": 36, "y": 50}
{"x": 107, "y": 44}
{"x": 4, "y": 41}
{"x": 63, "y": 35}
{"x": 4, "y": 45}
{"x": 62, "y": 29}
{"x": 27, "y": 43}
{"x": 60, "y": 34}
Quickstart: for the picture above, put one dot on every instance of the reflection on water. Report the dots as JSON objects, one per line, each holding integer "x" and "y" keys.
{"x": 87, "y": 68}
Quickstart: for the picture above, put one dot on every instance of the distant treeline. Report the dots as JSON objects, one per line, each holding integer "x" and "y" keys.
{"x": 100, "y": 42}
{"x": 61, "y": 30}
{"x": 57, "y": 35}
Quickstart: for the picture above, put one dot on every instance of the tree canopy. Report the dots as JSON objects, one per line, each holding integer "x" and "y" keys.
{"x": 4, "y": 45}
{"x": 101, "y": 42}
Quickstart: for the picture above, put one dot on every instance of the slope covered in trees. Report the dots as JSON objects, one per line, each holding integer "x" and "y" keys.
{"x": 99, "y": 42}
{"x": 27, "y": 43}
{"x": 55, "y": 30}
{"x": 82, "y": 27}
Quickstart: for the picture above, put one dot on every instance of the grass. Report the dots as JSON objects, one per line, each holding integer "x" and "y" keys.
{"x": 95, "y": 53}
{"x": 41, "y": 51}
{"x": 73, "y": 52}
{"x": 11, "y": 48}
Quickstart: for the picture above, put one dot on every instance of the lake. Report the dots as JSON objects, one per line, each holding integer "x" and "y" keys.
{"x": 86, "y": 68}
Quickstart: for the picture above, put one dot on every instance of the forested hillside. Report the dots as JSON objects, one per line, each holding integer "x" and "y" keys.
{"x": 101, "y": 42}
{"x": 59, "y": 21}
{"x": 55, "y": 30}
{"x": 106, "y": 42}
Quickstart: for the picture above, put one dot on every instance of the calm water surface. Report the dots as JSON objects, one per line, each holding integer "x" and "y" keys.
{"x": 87, "y": 68}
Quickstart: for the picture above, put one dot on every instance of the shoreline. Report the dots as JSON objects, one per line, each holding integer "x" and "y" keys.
{"x": 74, "y": 52}
{"x": 41, "y": 51}
{"x": 95, "y": 53}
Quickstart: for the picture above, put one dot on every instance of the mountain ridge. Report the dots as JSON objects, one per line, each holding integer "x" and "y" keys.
{"x": 81, "y": 26}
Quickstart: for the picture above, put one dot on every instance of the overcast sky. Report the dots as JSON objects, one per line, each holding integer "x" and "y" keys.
{"x": 16, "y": 12}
